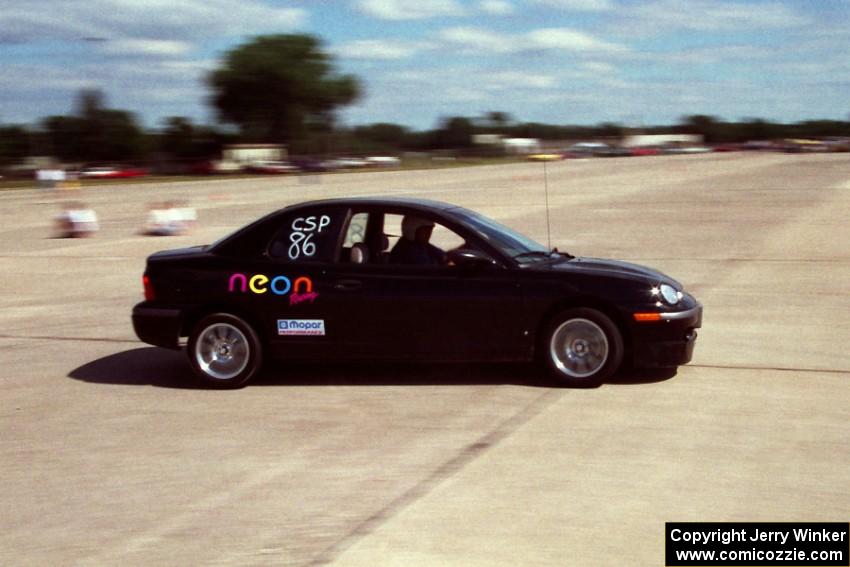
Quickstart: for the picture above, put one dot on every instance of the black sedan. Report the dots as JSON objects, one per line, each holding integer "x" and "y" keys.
{"x": 378, "y": 278}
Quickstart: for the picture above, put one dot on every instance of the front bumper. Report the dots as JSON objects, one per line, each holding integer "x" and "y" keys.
{"x": 669, "y": 342}
{"x": 157, "y": 326}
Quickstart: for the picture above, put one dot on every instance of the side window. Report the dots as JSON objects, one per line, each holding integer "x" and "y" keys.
{"x": 445, "y": 239}
{"x": 355, "y": 249}
{"x": 356, "y": 231}
{"x": 392, "y": 228}
{"x": 307, "y": 236}
{"x": 421, "y": 245}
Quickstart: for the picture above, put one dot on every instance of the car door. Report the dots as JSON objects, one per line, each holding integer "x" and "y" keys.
{"x": 397, "y": 311}
{"x": 288, "y": 284}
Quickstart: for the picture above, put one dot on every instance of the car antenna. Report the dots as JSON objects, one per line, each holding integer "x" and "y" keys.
{"x": 546, "y": 192}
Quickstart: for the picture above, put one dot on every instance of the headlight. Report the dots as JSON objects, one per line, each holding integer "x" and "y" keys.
{"x": 669, "y": 294}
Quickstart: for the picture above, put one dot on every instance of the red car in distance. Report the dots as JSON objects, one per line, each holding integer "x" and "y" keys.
{"x": 111, "y": 172}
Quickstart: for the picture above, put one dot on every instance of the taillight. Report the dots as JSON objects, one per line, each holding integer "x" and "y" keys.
{"x": 149, "y": 294}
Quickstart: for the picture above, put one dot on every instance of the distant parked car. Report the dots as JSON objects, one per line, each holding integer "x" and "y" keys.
{"x": 644, "y": 151}
{"x": 346, "y": 163}
{"x": 111, "y": 172}
{"x": 687, "y": 150}
{"x": 311, "y": 165}
{"x": 383, "y": 161}
{"x": 587, "y": 149}
{"x": 271, "y": 167}
{"x": 99, "y": 172}
{"x": 204, "y": 167}
{"x": 837, "y": 144}
{"x": 549, "y": 156}
{"x": 727, "y": 148}
{"x": 614, "y": 151}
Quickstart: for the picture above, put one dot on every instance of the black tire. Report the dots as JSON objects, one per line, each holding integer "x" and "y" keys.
{"x": 581, "y": 347}
{"x": 224, "y": 350}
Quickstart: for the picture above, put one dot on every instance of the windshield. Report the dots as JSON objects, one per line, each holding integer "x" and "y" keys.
{"x": 511, "y": 243}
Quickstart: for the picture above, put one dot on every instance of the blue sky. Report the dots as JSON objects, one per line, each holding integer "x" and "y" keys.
{"x": 554, "y": 61}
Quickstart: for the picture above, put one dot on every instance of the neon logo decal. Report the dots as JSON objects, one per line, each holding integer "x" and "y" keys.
{"x": 301, "y": 288}
{"x": 308, "y": 294}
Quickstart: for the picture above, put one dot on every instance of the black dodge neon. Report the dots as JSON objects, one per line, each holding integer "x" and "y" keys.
{"x": 380, "y": 278}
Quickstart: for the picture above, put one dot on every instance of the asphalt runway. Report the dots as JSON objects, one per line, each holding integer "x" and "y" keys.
{"x": 110, "y": 456}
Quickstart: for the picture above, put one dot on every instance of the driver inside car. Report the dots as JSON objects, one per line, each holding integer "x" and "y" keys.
{"x": 414, "y": 248}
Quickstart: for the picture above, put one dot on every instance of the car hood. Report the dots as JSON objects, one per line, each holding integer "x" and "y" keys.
{"x": 614, "y": 268}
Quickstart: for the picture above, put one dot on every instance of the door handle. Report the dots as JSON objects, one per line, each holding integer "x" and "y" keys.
{"x": 348, "y": 285}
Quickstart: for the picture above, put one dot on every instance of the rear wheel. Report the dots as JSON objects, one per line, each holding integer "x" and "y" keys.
{"x": 224, "y": 350}
{"x": 582, "y": 347}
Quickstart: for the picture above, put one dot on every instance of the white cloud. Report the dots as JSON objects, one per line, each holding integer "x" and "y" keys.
{"x": 409, "y": 9}
{"x": 379, "y": 49}
{"x": 483, "y": 81}
{"x": 30, "y": 92}
{"x": 480, "y": 40}
{"x": 569, "y": 39}
{"x": 139, "y": 58}
{"x": 578, "y": 5}
{"x": 598, "y": 68}
{"x": 38, "y": 20}
{"x": 729, "y": 54}
{"x": 713, "y": 15}
{"x": 517, "y": 79}
{"x": 176, "y": 71}
{"x": 463, "y": 93}
{"x": 496, "y": 7}
{"x": 21, "y": 79}
{"x": 156, "y": 47}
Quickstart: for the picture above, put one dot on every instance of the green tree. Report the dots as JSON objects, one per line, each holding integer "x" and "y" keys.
{"x": 178, "y": 138}
{"x": 610, "y": 130}
{"x": 63, "y": 138}
{"x": 756, "y": 129}
{"x": 498, "y": 121}
{"x": 455, "y": 133}
{"x": 14, "y": 144}
{"x": 278, "y": 88}
{"x": 95, "y": 133}
{"x": 382, "y": 136}
{"x": 706, "y": 126}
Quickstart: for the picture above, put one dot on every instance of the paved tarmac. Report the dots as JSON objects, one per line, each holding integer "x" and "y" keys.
{"x": 109, "y": 456}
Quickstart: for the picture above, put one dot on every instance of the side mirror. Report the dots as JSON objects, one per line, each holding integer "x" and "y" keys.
{"x": 470, "y": 259}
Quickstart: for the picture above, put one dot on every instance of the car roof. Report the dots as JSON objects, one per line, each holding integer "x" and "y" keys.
{"x": 379, "y": 202}
{"x": 390, "y": 202}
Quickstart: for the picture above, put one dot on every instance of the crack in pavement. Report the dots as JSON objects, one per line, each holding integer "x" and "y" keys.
{"x": 438, "y": 476}
{"x": 71, "y": 339}
{"x": 774, "y": 368}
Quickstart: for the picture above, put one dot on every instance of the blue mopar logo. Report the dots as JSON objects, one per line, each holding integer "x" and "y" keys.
{"x": 300, "y": 326}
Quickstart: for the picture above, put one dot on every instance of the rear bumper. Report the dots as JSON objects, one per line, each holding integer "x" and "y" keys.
{"x": 157, "y": 326}
{"x": 669, "y": 342}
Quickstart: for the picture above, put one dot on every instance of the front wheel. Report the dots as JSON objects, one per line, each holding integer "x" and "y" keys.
{"x": 582, "y": 347}
{"x": 224, "y": 350}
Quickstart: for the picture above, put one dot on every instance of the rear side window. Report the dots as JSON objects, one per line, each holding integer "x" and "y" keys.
{"x": 356, "y": 231}
{"x": 310, "y": 235}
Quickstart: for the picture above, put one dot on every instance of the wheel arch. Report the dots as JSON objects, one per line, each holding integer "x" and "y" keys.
{"x": 192, "y": 316}
{"x": 608, "y": 309}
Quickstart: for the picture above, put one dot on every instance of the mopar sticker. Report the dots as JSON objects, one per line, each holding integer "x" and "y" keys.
{"x": 301, "y": 327}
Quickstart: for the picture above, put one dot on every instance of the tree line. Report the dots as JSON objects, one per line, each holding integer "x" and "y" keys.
{"x": 285, "y": 89}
